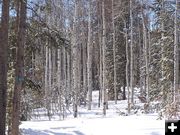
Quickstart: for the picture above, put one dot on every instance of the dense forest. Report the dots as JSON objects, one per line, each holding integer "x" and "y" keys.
{"x": 55, "y": 53}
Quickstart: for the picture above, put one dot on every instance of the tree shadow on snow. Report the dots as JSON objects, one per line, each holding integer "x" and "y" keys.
{"x": 154, "y": 133}
{"x": 62, "y": 128}
{"x": 47, "y": 132}
{"x": 39, "y": 132}
{"x": 78, "y": 133}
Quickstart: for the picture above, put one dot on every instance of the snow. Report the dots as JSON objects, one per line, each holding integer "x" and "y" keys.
{"x": 94, "y": 123}
{"x": 140, "y": 125}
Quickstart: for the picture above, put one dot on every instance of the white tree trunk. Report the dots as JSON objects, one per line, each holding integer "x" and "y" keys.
{"x": 59, "y": 80}
{"x": 89, "y": 59}
{"x": 68, "y": 81}
{"x": 140, "y": 60}
{"x": 176, "y": 63}
{"x": 100, "y": 52}
{"x": 50, "y": 84}
{"x": 75, "y": 62}
{"x": 114, "y": 54}
{"x": 127, "y": 71}
{"x": 131, "y": 51}
{"x": 50, "y": 70}
{"x": 47, "y": 83}
{"x": 64, "y": 74}
{"x": 146, "y": 55}
{"x": 162, "y": 52}
{"x": 104, "y": 60}
{"x": 84, "y": 71}
{"x": 46, "y": 73}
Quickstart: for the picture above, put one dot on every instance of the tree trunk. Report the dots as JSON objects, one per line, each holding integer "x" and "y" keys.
{"x": 46, "y": 84}
{"x": 100, "y": 52}
{"x": 131, "y": 49}
{"x": 176, "y": 63}
{"x": 3, "y": 64}
{"x": 127, "y": 67}
{"x": 146, "y": 56}
{"x": 65, "y": 78}
{"x": 124, "y": 88}
{"x": 48, "y": 98}
{"x": 59, "y": 80}
{"x": 104, "y": 60}
{"x": 163, "y": 55}
{"x": 19, "y": 69}
{"x": 75, "y": 62}
{"x": 68, "y": 81}
{"x": 84, "y": 72}
{"x": 114, "y": 54}
{"x": 89, "y": 59}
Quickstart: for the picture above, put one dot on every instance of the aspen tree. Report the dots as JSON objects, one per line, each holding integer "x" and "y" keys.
{"x": 104, "y": 60}
{"x": 89, "y": 59}
{"x": 75, "y": 61}
{"x": 176, "y": 48}
{"x": 145, "y": 54}
{"x": 131, "y": 52}
{"x": 114, "y": 54}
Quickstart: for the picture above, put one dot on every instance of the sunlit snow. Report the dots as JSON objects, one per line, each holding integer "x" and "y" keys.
{"x": 94, "y": 123}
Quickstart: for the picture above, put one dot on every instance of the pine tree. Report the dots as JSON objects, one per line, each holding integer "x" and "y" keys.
{"x": 19, "y": 69}
{"x": 3, "y": 64}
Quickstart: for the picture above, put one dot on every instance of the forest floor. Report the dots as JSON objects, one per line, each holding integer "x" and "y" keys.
{"x": 92, "y": 122}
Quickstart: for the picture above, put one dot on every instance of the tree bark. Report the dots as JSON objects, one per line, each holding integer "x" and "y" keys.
{"x": 100, "y": 51}
{"x": 114, "y": 54}
{"x": 3, "y": 64}
{"x": 131, "y": 49}
{"x": 59, "y": 79}
{"x": 68, "y": 80}
{"x": 163, "y": 54}
{"x": 127, "y": 71}
{"x": 75, "y": 61}
{"x": 176, "y": 63}
{"x": 104, "y": 60}
{"x": 146, "y": 55}
{"x": 89, "y": 59}
{"x": 19, "y": 68}
{"x": 49, "y": 83}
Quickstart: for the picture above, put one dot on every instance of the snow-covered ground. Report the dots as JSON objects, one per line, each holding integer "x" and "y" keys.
{"x": 94, "y": 123}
